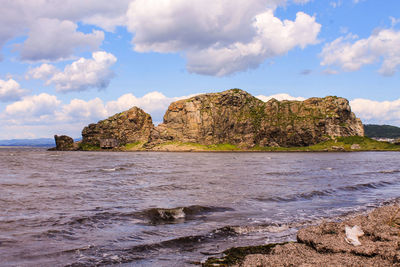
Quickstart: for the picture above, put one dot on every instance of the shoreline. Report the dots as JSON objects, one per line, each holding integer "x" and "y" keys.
{"x": 218, "y": 151}
{"x": 325, "y": 244}
{"x": 340, "y": 144}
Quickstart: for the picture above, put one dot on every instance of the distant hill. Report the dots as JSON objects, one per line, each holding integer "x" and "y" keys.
{"x": 382, "y": 131}
{"x": 41, "y": 142}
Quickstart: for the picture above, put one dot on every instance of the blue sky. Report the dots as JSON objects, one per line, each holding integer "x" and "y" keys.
{"x": 69, "y": 63}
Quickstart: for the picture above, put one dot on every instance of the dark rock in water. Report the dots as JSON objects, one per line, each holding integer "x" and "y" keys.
{"x": 64, "y": 143}
{"x": 238, "y": 118}
{"x": 130, "y": 126}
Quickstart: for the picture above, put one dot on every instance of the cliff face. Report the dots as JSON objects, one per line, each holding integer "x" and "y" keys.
{"x": 130, "y": 126}
{"x": 237, "y": 117}
{"x": 233, "y": 117}
{"x": 64, "y": 143}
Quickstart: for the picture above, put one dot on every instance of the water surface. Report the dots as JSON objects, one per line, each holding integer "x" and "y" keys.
{"x": 174, "y": 209}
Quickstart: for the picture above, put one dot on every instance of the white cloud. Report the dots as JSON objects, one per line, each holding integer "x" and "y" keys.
{"x": 80, "y": 110}
{"x": 301, "y": 2}
{"x": 45, "y": 113}
{"x": 79, "y": 75}
{"x": 218, "y": 37}
{"x": 42, "y": 72}
{"x": 18, "y": 17}
{"x": 274, "y": 37}
{"x": 52, "y": 40}
{"x": 154, "y": 103}
{"x": 35, "y": 107}
{"x": 280, "y": 97}
{"x": 377, "y": 112}
{"x": 351, "y": 56}
{"x": 10, "y": 90}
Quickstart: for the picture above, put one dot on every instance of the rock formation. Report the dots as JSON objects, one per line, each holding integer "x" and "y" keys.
{"x": 64, "y": 143}
{"x": 236, "y": 117}
{"x": 133, "y": 125}
{"x": 325, "y": 244}
{"x": 233, "y": 117}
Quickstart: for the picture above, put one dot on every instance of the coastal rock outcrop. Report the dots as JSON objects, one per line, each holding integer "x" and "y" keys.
{"x": 64, "y": 143}
{"x": 231, "y": 117}
{"x": 236, "y": 117}
{"x": 131, "y": 126}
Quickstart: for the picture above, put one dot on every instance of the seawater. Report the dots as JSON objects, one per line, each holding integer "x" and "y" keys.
{"x": 174, "y": 209}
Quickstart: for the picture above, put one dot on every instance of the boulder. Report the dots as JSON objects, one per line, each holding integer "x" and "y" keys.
{"x": 64, "y": 143}
{"x": 131, "y": 126}
{"x": 355, "y": 146}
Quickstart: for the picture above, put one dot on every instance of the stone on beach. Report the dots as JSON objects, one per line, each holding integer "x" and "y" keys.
{"x": 325, "y": 244}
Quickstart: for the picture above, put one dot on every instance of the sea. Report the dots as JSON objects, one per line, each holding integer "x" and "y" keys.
{"x": 175, "y": 209}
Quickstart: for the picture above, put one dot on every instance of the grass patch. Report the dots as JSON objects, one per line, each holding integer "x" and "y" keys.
{"x": 340, "y": 143}
{"x": 133, "y": 146}
{"x": 88, "y": 147}
{"x": 174, "y": 145}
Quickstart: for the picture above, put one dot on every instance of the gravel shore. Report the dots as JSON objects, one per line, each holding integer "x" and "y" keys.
{"x": 326, "y": 245}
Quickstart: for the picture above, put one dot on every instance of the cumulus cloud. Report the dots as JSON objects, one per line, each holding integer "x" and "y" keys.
{"x": 52, "y": 39}
{"x": 44, "y": 115}
{"x": 45, "y": 109}
{"x": 80, "y": 110}
{"x": 10, "y": 90}
{"x": 34, "y": 107}
{"x": 376, "y": 111}
{"x": 382, "y": 46}
{"x": 280, "y": 97}
{"x": 42, "y": 72}
{"x": 80, "y": 75}
{"x": 155, "y": 103}
{"x": 274, "y": 38}
{"x": 18, "y": 17}
{"x": 218, "y": 37}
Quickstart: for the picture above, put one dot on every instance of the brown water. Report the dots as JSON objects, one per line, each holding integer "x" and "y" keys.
{"x": 174, "y": 209}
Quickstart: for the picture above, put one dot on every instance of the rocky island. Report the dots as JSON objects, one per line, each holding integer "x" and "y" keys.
{"x": 230, "y": 120}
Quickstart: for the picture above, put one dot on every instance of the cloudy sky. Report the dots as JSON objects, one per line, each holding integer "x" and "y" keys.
{"x": 66, "y": 63}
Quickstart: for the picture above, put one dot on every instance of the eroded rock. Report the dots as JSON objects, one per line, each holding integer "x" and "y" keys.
{"x": 131, "y": 126}
{"x": 64, "y": 143}
{"x": 231, "y": 117}
{"x": 238, "y": 118}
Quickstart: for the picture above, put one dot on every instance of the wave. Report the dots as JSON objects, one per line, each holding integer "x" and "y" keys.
{"x": 151, "y": 216}
{"x": 98, "y": 255}
{"x": 173, "y": 215}
{"x": 324, "y": 193}
{"x": 391, "y": 171}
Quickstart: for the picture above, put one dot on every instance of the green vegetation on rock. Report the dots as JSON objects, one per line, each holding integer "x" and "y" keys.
{"x": 133, "y": 146}
{"x": 88, "y": 147}
{"x": 340, "y": 144}
{"x": 228, "y": 121}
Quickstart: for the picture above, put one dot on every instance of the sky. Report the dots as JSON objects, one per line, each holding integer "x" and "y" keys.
{"x": 65, "y": 64}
